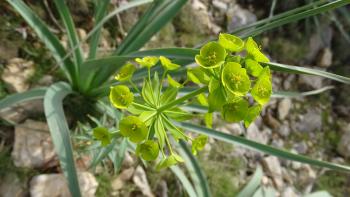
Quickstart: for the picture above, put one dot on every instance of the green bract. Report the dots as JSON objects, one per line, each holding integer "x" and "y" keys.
{"x": 173, "y": 83}
{"x": 252, "y": 113}
{"x": 148, "y": 150}
{"x": 167, "y": 64}
{"x": 231, "y": 42}
{"x": 253, "y": 67}
{"x": 133, "y": 128}
{"x": 198, "y": 143}
{"x": 148, "y": 61}
{"x": 198, "y": 76}
{"x": 120, "y": 96}
{"x": 211, "y": 55}
{"x": 235, "y": 78}
{"x": 169, "y": 161}
{"x": 262, "y": 89}
{"x": 254, "y": 50}
{"x": 102, "y": 134}
{"x": 235, "y": 112}
{"x": 125, "y": 73}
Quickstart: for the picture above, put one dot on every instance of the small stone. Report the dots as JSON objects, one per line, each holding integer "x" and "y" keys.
{"x": 301, "y": 147}
{"x": 141, "y": 182}
{"x": 253, "y": 133}
{"x": 284, "y": 107}
{"x": 311, "y": 121}
{"x": 326, "y": 58}
{"x": 234, "y": 128}
{"x": 222, "y": 6}
{"x": 46, "y": 80}
{"x": 343, "y": 147}
{"x": 33, "y": 147}
{"x": 308, "y": 82}
{"x": 10, "y": 186}
{"x": 56, "y": 185}
{"x": 272, "y": 122}
{"x": 284, "y": 130}
{"x": 237, "y": 17}
{"x": 17, "y": 73}
{"x": 273, "y": 167}
{"x": 124, "y": 176}
{"x": 306, "y": 175}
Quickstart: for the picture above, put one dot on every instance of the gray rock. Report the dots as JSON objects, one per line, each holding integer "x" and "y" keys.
{"x": 319, "y": 41}
{"x": 234, "y": 128}
{"x": 284, "y": 130}
{"x": 284, "y": 107}
{"x": 17, "y": 73}
{"x": 343, "y": 147}
{"x": 289, "y": 192}
{"x": 237, "y": 16}
{"x": 273, "y": 167}
{"x": 310, "y": 82}
{"x": 253, "y": 133}
{"x": 140, "y": 180}
{"x": 311, "y": 121}
{"x": 33, "y": 147}
{"x": 301, "y": 147}
{"x": 124, "y": 176}
{"x": 45, "y": 185}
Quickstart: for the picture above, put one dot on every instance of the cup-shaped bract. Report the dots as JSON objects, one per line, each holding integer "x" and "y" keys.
{"x": 133, "y": 128}
{"x": 121, "y": 96}
{"x": 252, "y": 113}
{"x": 235, "y": 78}
{"x": 211, "y": 55}
{"x": 253, "y": 67}
{"x": 125, "y": 72}
{"x": 103, "y": 135}
{"x": 148, "y": 150}
{"x": 173, "y": 83}
{"x": 231, "y": 43}
{"x": 235, "y": 112}
{"x": 197, "y": 76}
{"x": 148, "y": 61}
{"x": 262, "y": 88}
{"x": 254, "y": 50}
{"x": 167, "y": 64}
{"x": 198, "y": 143}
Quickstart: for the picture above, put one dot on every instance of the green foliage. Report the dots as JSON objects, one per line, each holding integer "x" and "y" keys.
{"x": 102, "y": 134}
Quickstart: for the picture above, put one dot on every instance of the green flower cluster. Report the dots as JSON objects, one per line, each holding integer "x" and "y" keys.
{"x": 229, "y": 69}
{"x": 149, "y": 122}
{"x": 231, "y": 76}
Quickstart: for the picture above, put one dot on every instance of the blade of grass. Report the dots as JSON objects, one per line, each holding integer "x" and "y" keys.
{"x": 71, "y": 33}
{"x": 295, "y": 17}
{"x": 253, "y": 184}
{"x": 60, "y": 133}
{"x": 101, "y": 10}
{"x": 261, "y": 147}
{"x": 49, "y": 39}
{"x": 119, "y": 155}
{"x": 184, "y": 180}
{"x": 197, "y": 175}
{"x": 37, "y": 93}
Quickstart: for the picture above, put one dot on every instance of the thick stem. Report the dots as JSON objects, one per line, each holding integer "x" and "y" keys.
{"x": 182, "y": 99}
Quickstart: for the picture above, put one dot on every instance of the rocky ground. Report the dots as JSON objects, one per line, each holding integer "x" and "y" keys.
{"x": 317, "y": 126}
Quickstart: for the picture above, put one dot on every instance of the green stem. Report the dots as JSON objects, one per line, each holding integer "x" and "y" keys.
{"x": 134, "y": 86}
{"x": 182, "y": 99}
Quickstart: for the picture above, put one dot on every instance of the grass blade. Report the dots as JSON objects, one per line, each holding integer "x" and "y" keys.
{"x": 60, "y": 132}
{"x": 198, "y": 177}
{"x": 71, "y": 33}
{"x": 49, "y": 39}
{"x": 184, "y": 180}
{"x": 118, "y": 157}
{"x": 101, "y": 10}
{"x": 253, "y": 184}
{"x": 308, "y": 71}
{"x": 261, "y": 147}
{"x": 37, "y": 93}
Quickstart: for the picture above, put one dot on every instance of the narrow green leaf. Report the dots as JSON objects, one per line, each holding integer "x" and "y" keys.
{"x": 198, "y": 177}
{"x": 261, "y": 147}
{"x": 13, "y": 99}
{"x": 253, "y": 184}
{"x": 49, "y": 39}
{"x": 184, "y": 181}
{"x": 60, "y": 132}
{"x": 118, "y": 157}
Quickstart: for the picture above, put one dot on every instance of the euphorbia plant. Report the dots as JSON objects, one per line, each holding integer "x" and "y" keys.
{"x": 227, "y": 71}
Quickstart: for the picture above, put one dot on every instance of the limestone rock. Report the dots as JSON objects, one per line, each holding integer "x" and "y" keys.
{"x": 33, "y": 147}
{"x": 47, "y": 185}
{"x": 284, "y": 107}
{"x": 237, "y": 16}
{"x": 325, "y": 58}
{"x": 124, "y": 176}
{"x": 273, "y": 167}
{"x": 344, "y": 144}
{"x": 141, "y": 182}
{"x": 17, "y": 73}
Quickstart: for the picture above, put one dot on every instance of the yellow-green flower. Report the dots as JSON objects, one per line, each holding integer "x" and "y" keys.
{"x": 148, "y": 61}
{"x": 133, "y": 128}
{"x": 211, "y": 55}
{"x": 120, "y": 96}
{"x": 231, "y": 43}
{"x": 167, "y": 64}
{"x": 125, "y": 73}
{"x": 148, "y": 150}
{"x": 235, "y": 78}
